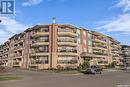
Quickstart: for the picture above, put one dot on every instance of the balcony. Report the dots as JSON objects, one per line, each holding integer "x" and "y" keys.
{"x": 17, "y": 56}
{"x": 68, "y": 53}
{"x": 113, "y": 45}
{"x": 67, "y": 49}
{"x": 65, "y": 39}
{"x": 16, "y": 64}
{"x": 100, "y": 54}
{"x": 21, "y": 40}
{"x": 5, "y": 57}
{"x": 100, "y": 40}
{"x": 18, "y": 41}
{"x": 37, "y": 34}
{"x": 71, "y": 34}
{"x": 115, "y": 55}
{"x": 45, "y": 53}
{"x": 67, "y": 44}
{"x": 101, "y": 48}
{"x": 18, "y": 48}
{"x": 102, "y": 62}
{"x": 39, "y": 43}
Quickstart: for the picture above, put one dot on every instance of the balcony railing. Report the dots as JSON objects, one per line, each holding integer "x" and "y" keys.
{"x": 100, "y": 46}
{"x": 39, "y": 43}
{"x": 17, "y": 55}
{"x": 64, "y": 50}
{"x": 103, "y": 62}
{"x": 35, "y": 34}
{"x": 67, "y": 44}
{"x": 66, "y": 30}
{"x": 98, "y": 53}
{"x": 16, "y": 63}
{"x": 40, "y": 62}
{"x": 18, "y": 47}
{"x": 46, "y": 40}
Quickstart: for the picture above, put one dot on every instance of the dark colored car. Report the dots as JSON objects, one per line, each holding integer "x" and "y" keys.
{"x": 94, "y": 69}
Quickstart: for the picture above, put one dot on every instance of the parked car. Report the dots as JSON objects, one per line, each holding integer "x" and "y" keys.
{"x": 94, "y": 69}
{"x": 126, "y": 68}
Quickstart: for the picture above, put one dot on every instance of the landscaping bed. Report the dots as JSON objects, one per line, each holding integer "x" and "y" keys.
{"x": 8, "y": 78}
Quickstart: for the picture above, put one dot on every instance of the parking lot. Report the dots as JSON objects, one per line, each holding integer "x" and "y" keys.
{"x": 44, "y": 79}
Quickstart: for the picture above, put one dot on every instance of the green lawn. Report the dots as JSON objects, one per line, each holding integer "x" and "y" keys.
{"x": 7, "y": 78}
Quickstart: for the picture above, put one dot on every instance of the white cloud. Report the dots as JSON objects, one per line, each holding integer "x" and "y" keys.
{"x": 119, "y": 24}
{"x": 31, "y": 2}
{"x": 125, "y": 4}
{"x": 9, "y": 27}
{"x": 36, "y": 2}
{"x": 57, "y": 0}
{"x": 4, "y": 36}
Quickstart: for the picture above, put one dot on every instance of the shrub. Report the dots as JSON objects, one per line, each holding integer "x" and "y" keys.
{"x": 2, "y": 69}
{"x": 84, "y": 65}
{"x": 59, "y": 68}
{"x": 112, "y": 65}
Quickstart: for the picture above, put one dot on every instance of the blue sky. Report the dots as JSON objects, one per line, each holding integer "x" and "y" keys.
{"x": 111, "y": 17}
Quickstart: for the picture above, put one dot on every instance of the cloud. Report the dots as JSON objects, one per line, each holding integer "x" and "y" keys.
{"x": 4, "y": 36}
{"x": 125, "y": 4}
{"x": 31, "y": 2}
{"x": 9, "y": 27}
{"x": 118, "y": 24}
{"x": 57, "y": 0}
{"x": 36, "y": 2}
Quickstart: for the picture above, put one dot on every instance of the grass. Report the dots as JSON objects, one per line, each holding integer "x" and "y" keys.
{"x": 68, "y": 72}
{"x": 8, "y": 78}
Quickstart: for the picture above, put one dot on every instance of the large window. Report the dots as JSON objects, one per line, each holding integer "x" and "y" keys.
{"x": 42, "y": 60}
{"x": 43, "y": 49}
{"x": 67, "y": 60}
{"x": 43, "y": 39}
{"x": 67, "y": 49}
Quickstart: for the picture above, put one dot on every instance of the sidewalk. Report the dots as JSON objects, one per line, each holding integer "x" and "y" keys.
{"x": 111, "y": 70}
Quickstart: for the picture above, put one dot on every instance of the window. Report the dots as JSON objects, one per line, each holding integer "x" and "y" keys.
{"x": 43, "y": 49}
{"x": 44, "y": 30}
{"x": 67, "y": 60}
{"x": 42, "y": 60}
{"x": 44, "y": 39}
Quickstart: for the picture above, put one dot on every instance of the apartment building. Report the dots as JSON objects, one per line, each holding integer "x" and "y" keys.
{"x": 4, "y": 53}
{"x": 47, "y": 46}
{"x": 115, "y": 51}
{"x": 126, "y": 55}
{"x": 1, "y": 54}
{"x": 100, "y": 48}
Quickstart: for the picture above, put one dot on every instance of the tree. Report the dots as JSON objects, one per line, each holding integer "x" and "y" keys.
{"x": 113, "y": 64}
{"x": 84, "y": 65}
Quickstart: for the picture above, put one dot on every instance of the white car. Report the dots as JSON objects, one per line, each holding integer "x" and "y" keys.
{"x": 127, "y": 68}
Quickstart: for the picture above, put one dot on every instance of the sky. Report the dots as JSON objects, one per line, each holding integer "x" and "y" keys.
{"x": 111, "y": 17}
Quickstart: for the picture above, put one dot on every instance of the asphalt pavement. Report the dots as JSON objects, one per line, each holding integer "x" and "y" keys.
{"x": 44, "y": 79}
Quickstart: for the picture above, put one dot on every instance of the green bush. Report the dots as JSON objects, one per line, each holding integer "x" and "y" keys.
{"x": 59, "y": 68}
{"x": 2, "y": 69}
{"x": 84, "y": 65}
{"x": 112, "y": 65}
